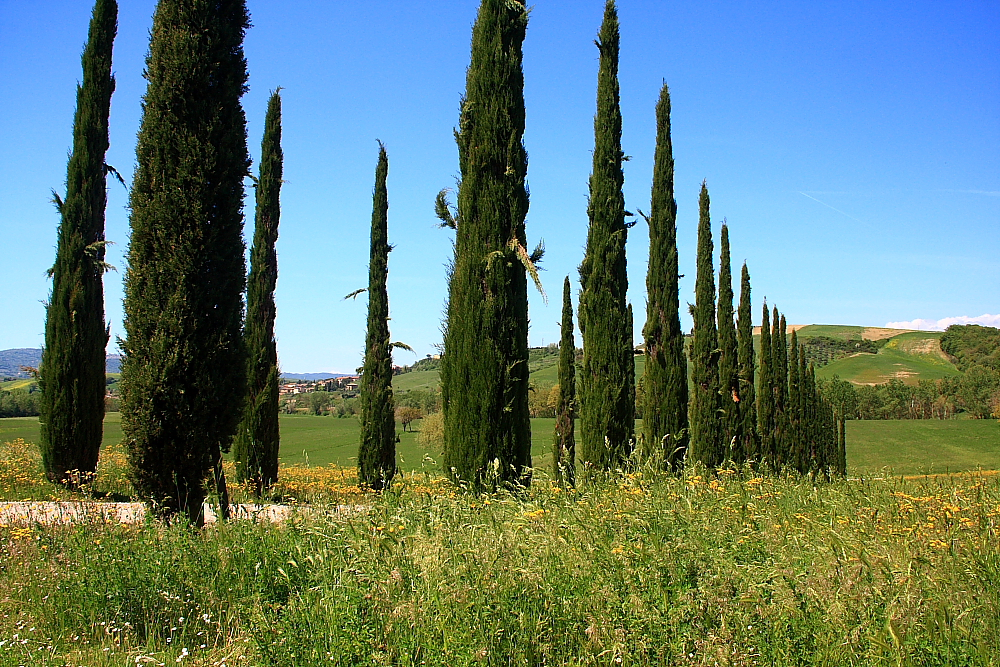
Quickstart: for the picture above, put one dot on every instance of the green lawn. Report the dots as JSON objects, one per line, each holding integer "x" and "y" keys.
{"x": 832, "y": 330}
{"x": 906, "y": 446}
{"x": 890, "y": 362}
{"x": 919, "y": 446}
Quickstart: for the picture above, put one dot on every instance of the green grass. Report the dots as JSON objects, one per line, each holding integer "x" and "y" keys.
{"x": 889, "y": 363}
{"x": 307, "y": 439}
{"x": 921, "y": 446}
{"x": 906, "y": 446}
{"x": 639, "y": 570}
{"x": 12, "y": 385}
{"x": 424, "y": 380}
{"x": 832, "y": 330}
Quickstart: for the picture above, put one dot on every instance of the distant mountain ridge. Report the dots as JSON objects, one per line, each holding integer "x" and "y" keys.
{"x": 312, "y": 376}
{"x": 12, "y": 360}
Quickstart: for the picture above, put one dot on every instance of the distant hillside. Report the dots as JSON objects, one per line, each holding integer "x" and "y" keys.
{"x": 12, "y": 360}
{"x": 883, "y": 354}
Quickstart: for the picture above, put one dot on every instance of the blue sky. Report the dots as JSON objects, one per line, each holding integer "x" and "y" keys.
{"x": 853, "y": 147}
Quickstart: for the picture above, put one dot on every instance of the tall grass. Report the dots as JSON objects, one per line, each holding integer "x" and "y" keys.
{"x": 732, "y": 569}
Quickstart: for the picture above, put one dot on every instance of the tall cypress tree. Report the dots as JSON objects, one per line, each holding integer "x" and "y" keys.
{"x": 796, "y": 433}
{"x": 728, "y": 361}
{"x": 706, "y": 427}
{"x": 377, "y": 454}
{"x": 184, "y": 360}
{"x": 607, "y": 382}
{"x": 748, "y": 441}
{"x": 564, "y": 442}
{"x": 72, "y": 375}
{"x": 779, "y": 380}
{"x": 665, "y": 397}
{"x": 484, "y": 369}
{"x": 255, "y": 448}
{"x": 765, "y": 393}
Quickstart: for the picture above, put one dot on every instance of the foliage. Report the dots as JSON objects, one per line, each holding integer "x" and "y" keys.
{"x": 484, "y": 370}
{"x": 406, "y": 415}
{"x": 971, "y": 345}
{"x": 564, "y": 437}
{"x": 377, "y": 452}
{"x": 184, "y": 360}
{"x": 706, "y": 426}
{"x": 73, "y": 361}
{"x": 649, "y": 570}
{"x": 431, "y": 434}
{"x": 821, "y": 350}
{"x": 19, "y": 404}
{"x": 664, "y": 382}
{"x": 257, "y": 439}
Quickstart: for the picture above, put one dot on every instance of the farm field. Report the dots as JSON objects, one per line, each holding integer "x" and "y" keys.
{"x": 919, "y": 446}
{"x": 908, "y": 447}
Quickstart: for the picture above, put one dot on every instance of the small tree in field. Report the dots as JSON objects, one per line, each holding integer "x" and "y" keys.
{"x": 406, "y": 415}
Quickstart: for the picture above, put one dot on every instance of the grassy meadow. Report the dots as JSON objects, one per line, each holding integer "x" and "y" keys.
{"x": 641, "y": 569}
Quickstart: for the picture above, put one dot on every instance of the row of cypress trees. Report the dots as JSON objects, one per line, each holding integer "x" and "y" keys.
{"x": 733, "y": 414}
{"x": 187, "y": 352}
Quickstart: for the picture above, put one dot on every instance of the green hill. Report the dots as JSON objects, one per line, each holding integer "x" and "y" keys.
{"x": 909, "y": 356}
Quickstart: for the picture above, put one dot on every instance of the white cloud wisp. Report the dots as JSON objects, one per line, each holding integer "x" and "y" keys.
{"x": 944, "y": 323}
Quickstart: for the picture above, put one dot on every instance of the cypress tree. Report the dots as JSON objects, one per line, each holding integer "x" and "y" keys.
{"x": 184, "y": 360}
{"x": 72, "y": 376}
{"x": 765, "y": 393}
{"x": 255, "y": 448}
{"x": 665, "y": 376}
{"x": 796, "y": 433}
{"x": 607, "y": 383}
{"x": 779, "y": 379}
{"x": 377, "y": 454}
{"x": 706, "y": 427}
{"x": 748, "y": 440}
{"x": 564, "y": 443}
{"x": 484, "y": 369}
{"x": 728, "y": 360}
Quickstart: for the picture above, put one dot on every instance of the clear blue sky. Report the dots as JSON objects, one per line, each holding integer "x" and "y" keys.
{"x": 854, "y": 148}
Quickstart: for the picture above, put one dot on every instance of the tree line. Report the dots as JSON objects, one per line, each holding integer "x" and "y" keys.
{"x": 189, "y": 345}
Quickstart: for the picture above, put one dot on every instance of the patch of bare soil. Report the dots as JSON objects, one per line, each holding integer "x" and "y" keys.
{"x": 789, "y": 328}
{"x": 64, "y": 513}
{"x": 878, "y": 333}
